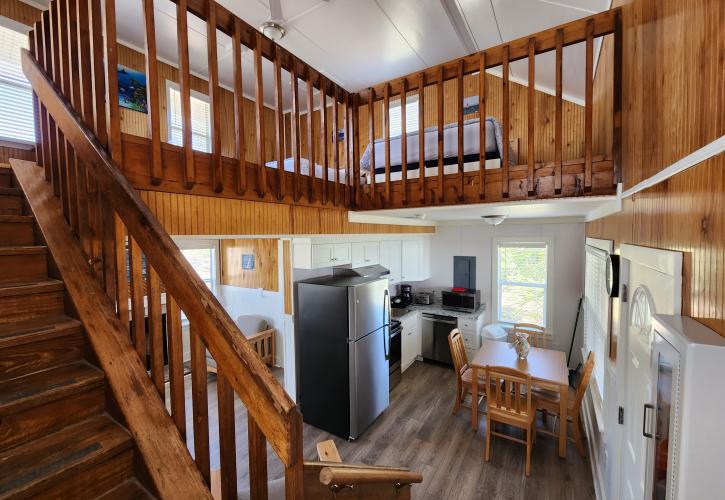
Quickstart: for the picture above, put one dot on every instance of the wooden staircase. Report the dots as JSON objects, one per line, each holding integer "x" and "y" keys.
{"x": 57, "y": 438}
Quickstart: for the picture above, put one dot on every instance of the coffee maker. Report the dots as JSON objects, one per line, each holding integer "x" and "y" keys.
{"x": 405, "y": 297}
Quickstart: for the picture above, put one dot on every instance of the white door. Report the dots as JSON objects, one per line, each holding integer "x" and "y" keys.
{"x": 391, "y": 259}
{"x": 321, "y": 255}
{"x": 655, "y": 286}
{"x": 340, "y": 253}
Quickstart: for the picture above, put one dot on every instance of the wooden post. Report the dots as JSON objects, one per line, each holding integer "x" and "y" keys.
{"x": 200, "y": 404}
{"x": 506, "y": 124}
{"x": 335, "y": 142}
{"x": 617, "y": 100}
{"x": 257, "y": 460}
{"x": 176, "y": 364}
{"x": 152, "y": 91}
{"x": 156, "y": 340}
{"x": 311, "y": 137}
{"x": 558, "y": 124}
{"x": 404, "y": 139}
{"x": 386, "y": 125}
{"x": 217, "y": 175}
{"x": 482, "y": 88}
{"x": 227, "y": 444}
{"x": 113, "y": 113}
{"x": 531, "y": 105}
{"x": 421, "y": 136}
{"x": 137, "y": 302}
{"x": 185, "y": 94}
{"x": 439, "y": 115}
{"x": 324, "y": 131}
{"x": 279, "y": 120}
{"x": 259, "y": 108}
{"x": 371, "y": 131}
{"x": 588, "y": 122}
{"x": 295, "y": 132}
{"x": 354, "y": 130}
{"x": 459, "y": 109}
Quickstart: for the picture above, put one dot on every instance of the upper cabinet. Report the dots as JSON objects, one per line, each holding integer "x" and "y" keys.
{"x": 391, "y": 258}
{"x": 414, "y": 265}
{"x": 365, "y": 253}
{"x": 309, "y": 255}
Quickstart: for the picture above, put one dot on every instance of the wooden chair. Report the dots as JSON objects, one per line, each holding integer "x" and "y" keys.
{"x": 510, "y": 402}
{"x": 536, "y": 333}
{"x": 464, "y": 373}
{"x": 548, "y": 401}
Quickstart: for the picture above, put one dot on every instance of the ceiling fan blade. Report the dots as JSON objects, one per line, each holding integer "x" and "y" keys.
{"x": 275, "y": 10}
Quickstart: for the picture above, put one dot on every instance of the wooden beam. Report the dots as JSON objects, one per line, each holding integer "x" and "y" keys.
{"x": 482, "y": 89}
{"x": 113, "y": 113}
{"x": 177, "y": 394}
{"x": 259, "y": 108}
{"x": 295, "y": 134}
{"x": 311, "y": 139}
{"x": 200, "y": 403}
{"x": 324, "y": 133}
{"x": 439, "y": 116}
{"x": 336, "y": 145}
{"x": 506, "y": 124}
{"x": 386, "y": 126}
{"x": 152, "y": 91}
{"x": 156, "y": 339}
{"x": 257, "y": 460}
{"x": 215, "y": 102}
{"x": 227, "y": 441}
{"x": 404, "y": 142}
{"x": 185, "y": 95}
{"x": 421, "y": 136}
{"x": 459, "y": 113}
{"x": 531, "y": 108}
{"x": 558, "y": 120}
{"x": 617, "y": 100}
{"x": 279, "y": 121}
{"x": 371, "y": 131}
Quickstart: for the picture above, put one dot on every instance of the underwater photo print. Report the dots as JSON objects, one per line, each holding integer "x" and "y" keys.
{"x": 132, "y": 89}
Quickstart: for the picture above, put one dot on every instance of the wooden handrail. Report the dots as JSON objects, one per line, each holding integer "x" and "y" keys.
{"x": 352, "y": 475}
{"x": 267, "y": 403}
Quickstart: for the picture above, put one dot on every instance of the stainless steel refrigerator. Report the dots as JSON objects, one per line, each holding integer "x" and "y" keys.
{"x": 342, "y": 347}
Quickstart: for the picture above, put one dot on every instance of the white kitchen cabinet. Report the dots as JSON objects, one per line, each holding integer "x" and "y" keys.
{"x": 411, "y": 342}
{"x": 414, "y": 260}
{"x": 391, "y": 259}
{"x": 470, "y": 328}
{"x": 365, "y": 253}
{"x": 308, "y": 255}
{"x": 340, "y": 254}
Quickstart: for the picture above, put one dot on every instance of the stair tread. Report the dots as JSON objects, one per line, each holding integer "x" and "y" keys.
{"x": 16, "y": 218}
{"x": 36, "y": 329}
{"x": 128, "y": 490}
{"x": 24, "y": 250}
{"x": 35, "y": 465}
{"x": 31, "y": 287}
{"x": 47, "y": 385}
{"x": 10, "y": 191}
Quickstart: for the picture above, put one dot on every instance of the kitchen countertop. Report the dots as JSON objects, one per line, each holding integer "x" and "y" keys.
{"x": 436, "y": 309}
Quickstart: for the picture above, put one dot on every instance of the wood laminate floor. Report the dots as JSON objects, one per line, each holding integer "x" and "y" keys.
{"x": 418, "y": 431}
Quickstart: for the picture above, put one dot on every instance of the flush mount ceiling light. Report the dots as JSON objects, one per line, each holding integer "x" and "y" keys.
{"x": 493, "y": 220}
{"x": 272, "y": 30}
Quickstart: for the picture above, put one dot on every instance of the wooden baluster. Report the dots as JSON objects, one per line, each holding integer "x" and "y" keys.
{"x": 58, "y": 67}
{"x": 200, "y": 404}
{"x": 239, "y": 98}
{"x": 354, "y": 128}
{"x": 348, "y": 150}
{"x": 138, "y": 312}
{"x": 98, "y": 70}
{"x": 113, "y": 113}
{"x": 257, "y": 460}
{"x": 439, "y": 113}
{"x": 110, "y": 220}
{"x": 295, "y": 132}
{"x": 459, "y": 92}
{"x": 121, "y": 268}
{"x": 32, "y": 47}
{"x": 531, "y": 105}
{"x": 227, "y": 444}
{"x": 310, "y": 137}
{"x": 152, "y": 91}
{"x": 215, "y": 103}
{"x": 259, "y": 108}
{"x": 69, "y": 76}
{"x": 182, "y": 20}
{"x": 294, "y": 473}
{"x": 324, "y": 131}
{"x": 279, "y": 120}
{"x": 588, "y": 121}
{"x": 49, "y": 49}
{"x": 558, "y": 120}
{"x": 421, "y": 136}
{"x": 44, "y": 132}
{"x": 156, "y": 338}
{"x": 404, "y": 139}
{"x": 482, "y": 89}
{"x": 371, "y": 130}
{"x": 335, "y": 143}
{"x": 174, "y": 336}
{"x": 386, "y": 126}
{"x": 506, "y": 124}
{"x": 617, "y": 100}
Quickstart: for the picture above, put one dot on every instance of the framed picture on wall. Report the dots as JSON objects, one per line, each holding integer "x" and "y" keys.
{"x": 132, "y": 89}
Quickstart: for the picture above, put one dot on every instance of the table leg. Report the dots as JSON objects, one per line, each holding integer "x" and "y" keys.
{"x": 474, "y": 398}
{"x": 563, "y": 405}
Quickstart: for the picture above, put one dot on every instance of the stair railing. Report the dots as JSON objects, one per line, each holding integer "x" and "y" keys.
{"x": 71, "y": 67}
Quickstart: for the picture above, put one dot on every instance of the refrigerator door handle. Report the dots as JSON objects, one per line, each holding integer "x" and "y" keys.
{"x": 386, "y": 324}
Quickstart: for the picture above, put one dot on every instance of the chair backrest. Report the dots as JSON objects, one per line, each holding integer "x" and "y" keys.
{"x": 537, "y": 334}
{"x": 458, "y": 351}
{"x": 508, "y": 392}
{"x": 584, "y": 381}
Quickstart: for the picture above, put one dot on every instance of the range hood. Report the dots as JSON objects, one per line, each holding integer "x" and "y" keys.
{"x": 374, "y": 271}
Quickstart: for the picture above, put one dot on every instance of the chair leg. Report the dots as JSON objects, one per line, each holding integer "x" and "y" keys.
{"x": 457, "y": 403}
{"x": 528, "y": 450}
{"x": 576, "y": 427}
{"x": 488, "y": 437}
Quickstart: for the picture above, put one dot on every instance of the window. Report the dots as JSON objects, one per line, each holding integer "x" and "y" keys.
{"x": 522, "y": 280}
{"x": 17, "y": 122}
{"x": 596, "y": 312}
{"x": 411, "y": 117}
{"x": 203, "y": 257}
{"x": 200, "y": 119}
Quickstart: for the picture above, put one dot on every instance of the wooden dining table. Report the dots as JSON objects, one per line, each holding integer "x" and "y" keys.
{"x": 547, "y": 368}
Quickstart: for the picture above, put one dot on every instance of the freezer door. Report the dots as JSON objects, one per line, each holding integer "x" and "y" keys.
{"x": 369, "y": 380}
{"x": 369, "y": 307}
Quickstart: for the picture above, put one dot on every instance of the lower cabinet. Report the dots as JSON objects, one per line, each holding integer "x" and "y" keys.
{"x": 411, "y": 346}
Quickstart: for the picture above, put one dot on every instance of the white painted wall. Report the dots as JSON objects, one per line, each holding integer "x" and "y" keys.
{"x": 477, "y": 240}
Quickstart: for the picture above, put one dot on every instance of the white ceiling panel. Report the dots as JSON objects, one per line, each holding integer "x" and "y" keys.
{"x": 481, "y": 20}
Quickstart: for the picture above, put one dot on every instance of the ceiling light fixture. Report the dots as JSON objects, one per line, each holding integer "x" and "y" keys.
{"x": 493, "y": 220}
{"x": 272, "y": 30}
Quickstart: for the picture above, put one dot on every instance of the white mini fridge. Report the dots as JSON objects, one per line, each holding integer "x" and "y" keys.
{"x": 685, "y": 418}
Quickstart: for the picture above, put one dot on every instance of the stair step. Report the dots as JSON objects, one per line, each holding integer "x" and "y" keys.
{"x": 11, "y": 201}
{"x": 39, "y": 344}
{"x": 130, "y": 490}
{"x": 16, "y": 230}
{"x": 20, "y": 301}
{"x": 79, "y": 461}
{"x": 6, "y": 177}
{"x": 23, "y": 263}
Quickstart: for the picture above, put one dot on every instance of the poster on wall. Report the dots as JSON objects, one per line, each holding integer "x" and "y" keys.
{"x": 132, "y": 89}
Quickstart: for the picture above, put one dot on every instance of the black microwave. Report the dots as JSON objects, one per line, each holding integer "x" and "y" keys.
{"x": 468, "y": 301}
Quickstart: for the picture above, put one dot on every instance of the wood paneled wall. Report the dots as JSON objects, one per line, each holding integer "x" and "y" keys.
{"x": 186, "y": 214}
{"x": 573, "y": 116}
{"x": 674, "y": 103}
{"x": 7, "y": 151}
{"x": 265, "y": 274}
{"x": 19, "y": 12}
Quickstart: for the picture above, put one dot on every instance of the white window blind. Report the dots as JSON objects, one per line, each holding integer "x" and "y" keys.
{"x": 411, "y": 117}
{"x": 200, "y": 119}
{"x": 16, "y": 97}
{"x": 596, "y": 312}
{"x": 522, "y": 282}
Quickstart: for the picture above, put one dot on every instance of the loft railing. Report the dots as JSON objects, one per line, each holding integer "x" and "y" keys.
{"x": 114, "y": 226}
{"x": 537, "y": 178}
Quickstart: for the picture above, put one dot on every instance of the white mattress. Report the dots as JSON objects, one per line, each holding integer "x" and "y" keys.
{"x": 471, "y": 166}
{"x": 450, "y": 144}
{"x": 289, "y": 166}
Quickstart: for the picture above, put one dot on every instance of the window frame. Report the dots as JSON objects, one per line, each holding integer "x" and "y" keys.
{"x": 548, "y": 286}
{"x": 410, "y": 102}
{"x": 20, "y": 29}
{"x": 201, "y": 244}
{"x": 196, "y": 95}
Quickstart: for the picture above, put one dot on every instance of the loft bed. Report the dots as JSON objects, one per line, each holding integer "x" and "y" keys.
{"x": 289, "y": 166}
